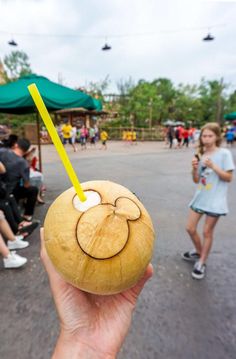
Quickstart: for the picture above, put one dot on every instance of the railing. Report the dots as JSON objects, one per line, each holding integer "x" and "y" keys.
{"x": 142, "y": 134}
{"x": 114, "y": 133}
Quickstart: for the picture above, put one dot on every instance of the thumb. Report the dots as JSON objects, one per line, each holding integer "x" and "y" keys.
{"x": 134, "y": 292}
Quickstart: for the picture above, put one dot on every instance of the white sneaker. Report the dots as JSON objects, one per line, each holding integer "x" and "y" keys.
{"x": 14, "y": 260}
{"x": 18, "y": 243}
{"x": 199, "y": 270}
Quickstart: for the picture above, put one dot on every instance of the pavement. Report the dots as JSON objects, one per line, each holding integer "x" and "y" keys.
{"x": 176, "y": 317}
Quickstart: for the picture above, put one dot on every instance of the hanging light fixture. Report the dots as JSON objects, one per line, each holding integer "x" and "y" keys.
{"x": 209, "y": 37}
{"x": 12, "y": 43}
{"x": 106, "y": 47}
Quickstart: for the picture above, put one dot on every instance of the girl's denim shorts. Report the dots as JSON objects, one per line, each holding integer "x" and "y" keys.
{"x": 210, "y": 214}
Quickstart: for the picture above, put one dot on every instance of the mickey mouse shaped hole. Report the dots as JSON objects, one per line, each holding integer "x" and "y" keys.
{"x": 103, "y": 231}
{"x": 93, "y": 199}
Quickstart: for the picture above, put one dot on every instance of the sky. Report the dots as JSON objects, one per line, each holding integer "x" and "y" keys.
{"x": 149, "y": 39}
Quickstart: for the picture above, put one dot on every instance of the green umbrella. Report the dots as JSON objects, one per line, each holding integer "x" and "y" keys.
{"x": 15, "y": 97}
{"x": 230, "y": 116}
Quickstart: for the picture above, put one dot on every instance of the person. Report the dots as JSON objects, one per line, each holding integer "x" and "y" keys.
{"x": 196, "y": 135}
{"x": 10, "y": 258}
{"x": 17, "y": 175}
{"x": 229, "y": 137}
{"x": 73, "y": 138}
{"x": 104, "y": 137}
{"x": 83, "y": 137}
{"x": 191, "y": 132}
{"x": 124, "y": 134}
{"x": 9, "y": 206}
{"x": 170, "y": 135}
{"x": 36, "y": 177}
{"x": 44, "y": 138}
{"x": 67, "y": 131}
{"x": 185, "y": 135}
{"x": 91, "y": 326}
{"x": 212, "y": 170}
{"x": 134, "y": 137}
{"x": 96, "y": 130}
{"x": 129, "y": 136}
{"x": 58, "y": 129}
{"x": 10, "y": 141}
{"x": 92, "y": 136}
{"x": 13, "y": 241}
{"x": 178, "y": 135}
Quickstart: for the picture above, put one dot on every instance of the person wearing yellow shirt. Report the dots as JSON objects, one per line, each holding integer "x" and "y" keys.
{"x": 129, "y": 136}
{"x": 104, "y": 137}
{"x": 134, "y": 137}
{"x": 67, "y": 131}
{"x": 124, "y": 135}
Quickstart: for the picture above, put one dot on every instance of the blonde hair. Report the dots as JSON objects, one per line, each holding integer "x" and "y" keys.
{"x": 215, "y": 128}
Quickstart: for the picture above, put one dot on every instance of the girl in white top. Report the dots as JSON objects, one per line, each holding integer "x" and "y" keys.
{"x": 212, "y": 170}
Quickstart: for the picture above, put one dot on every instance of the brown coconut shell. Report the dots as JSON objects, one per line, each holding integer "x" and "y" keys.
{"x": 106, "y": 249}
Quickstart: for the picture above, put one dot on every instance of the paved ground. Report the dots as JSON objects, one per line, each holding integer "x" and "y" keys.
{"x": 176, "y": 317}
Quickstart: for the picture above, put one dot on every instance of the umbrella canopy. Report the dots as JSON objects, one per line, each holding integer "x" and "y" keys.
{"x": 230, "y": 116}
{"x": 169, "y": 123}
{"x": 15, "y": 97}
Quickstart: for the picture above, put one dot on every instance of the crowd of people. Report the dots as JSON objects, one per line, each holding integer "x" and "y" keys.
{"x": 129, "y": 136}
{"x": 180, "y": 136}
{"x": 83, "y": 136}
{"x": 20, "y": 190}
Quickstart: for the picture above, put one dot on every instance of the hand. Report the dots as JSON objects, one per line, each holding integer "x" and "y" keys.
{"x": 195, "y": 163}
{"x": 92, "y": 324}
{"x": 208, "y": 163}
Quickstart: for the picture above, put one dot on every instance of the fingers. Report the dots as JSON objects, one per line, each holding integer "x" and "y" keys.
{"x": 194, "y": 163}
{"x": 54, "y": 277}
{"x": 147, "y": 275}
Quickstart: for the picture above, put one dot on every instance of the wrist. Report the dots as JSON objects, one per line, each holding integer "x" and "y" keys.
{"x": 214, "y": 168}
{"x": 70, "y": 347}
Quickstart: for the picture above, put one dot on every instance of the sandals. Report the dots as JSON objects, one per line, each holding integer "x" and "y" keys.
{"x": 28, "y": 229}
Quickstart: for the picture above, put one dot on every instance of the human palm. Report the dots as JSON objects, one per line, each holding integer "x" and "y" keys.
{"x": 99, "y": 322}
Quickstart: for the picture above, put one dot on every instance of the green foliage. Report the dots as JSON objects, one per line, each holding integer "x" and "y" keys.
{"x": 148, "y": 104}
{"x": 16, "y": 122}
{"x": 98, "y": 88}
{"x": 16, "y": 65}
{"x": 230, "y": 103}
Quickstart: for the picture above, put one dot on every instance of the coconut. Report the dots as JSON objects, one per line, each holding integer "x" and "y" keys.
{"x": 102, "y": 245}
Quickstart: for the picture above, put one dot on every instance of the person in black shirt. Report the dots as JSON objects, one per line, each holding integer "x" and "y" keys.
{"x": 17, "y": 175}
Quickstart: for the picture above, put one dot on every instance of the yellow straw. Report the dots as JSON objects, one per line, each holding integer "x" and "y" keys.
{"x": 56, "y": 140}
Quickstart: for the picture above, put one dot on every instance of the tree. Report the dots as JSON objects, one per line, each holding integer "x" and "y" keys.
{"x": 213, "y": 100}
{"x": 16, "y": 65}
{"x": 188, "y": 106}
{"x": 98, "y": 88}
{"x": 231, "y": 103}
{"x": 146, "y": 103}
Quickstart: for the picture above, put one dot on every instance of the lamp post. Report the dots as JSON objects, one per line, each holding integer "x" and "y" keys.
{"x": 150, "y": 113}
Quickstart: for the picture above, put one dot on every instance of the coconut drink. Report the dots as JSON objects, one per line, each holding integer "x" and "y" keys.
{"x": 103, "y": 247}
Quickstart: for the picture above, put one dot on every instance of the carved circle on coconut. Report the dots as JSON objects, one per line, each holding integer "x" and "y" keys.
{"x": 94, "y": 234}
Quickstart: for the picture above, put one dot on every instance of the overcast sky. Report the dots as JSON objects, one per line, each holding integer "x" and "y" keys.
{"x": 149, "y": 39}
